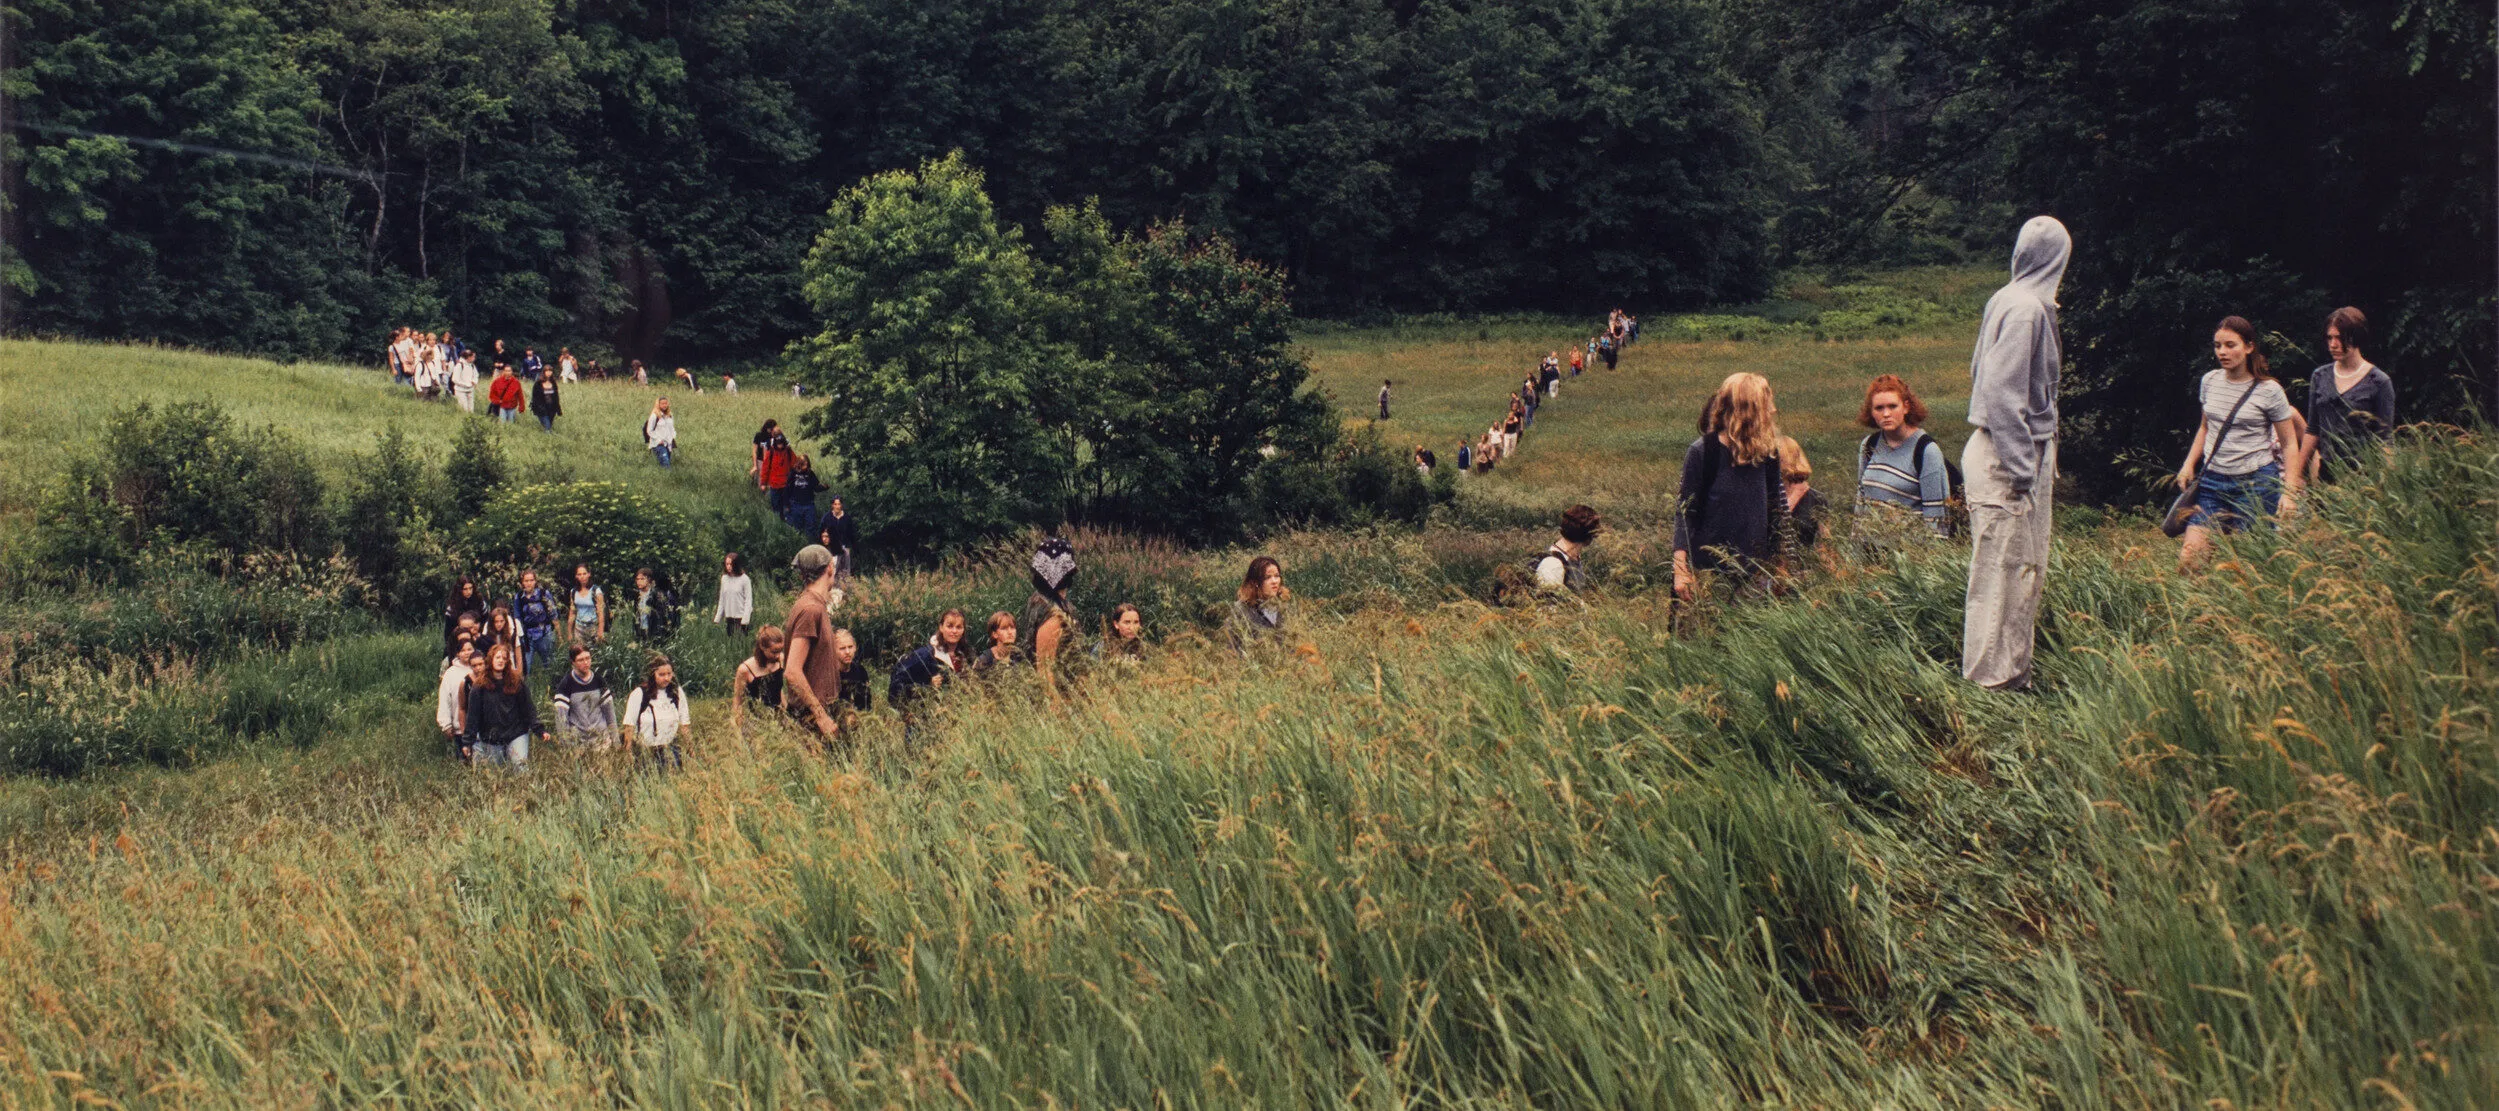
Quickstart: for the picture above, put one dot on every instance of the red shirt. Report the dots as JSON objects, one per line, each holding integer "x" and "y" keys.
{"x": 504, "y": 393}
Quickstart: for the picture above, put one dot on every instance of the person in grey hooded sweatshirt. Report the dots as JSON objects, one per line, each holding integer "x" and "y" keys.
{"x": 2009, "y": 467}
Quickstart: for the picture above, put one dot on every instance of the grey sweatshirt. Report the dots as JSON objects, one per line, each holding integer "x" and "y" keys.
{"x": 2013, "y": 370}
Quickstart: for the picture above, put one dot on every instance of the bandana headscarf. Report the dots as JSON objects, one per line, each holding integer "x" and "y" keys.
{"x": 1053, "y": 563}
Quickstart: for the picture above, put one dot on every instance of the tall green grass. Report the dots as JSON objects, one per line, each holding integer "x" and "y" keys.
{"x": 2238, "y": 852}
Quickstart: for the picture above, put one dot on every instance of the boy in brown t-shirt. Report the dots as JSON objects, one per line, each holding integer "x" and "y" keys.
{"x": 812, "y": 680}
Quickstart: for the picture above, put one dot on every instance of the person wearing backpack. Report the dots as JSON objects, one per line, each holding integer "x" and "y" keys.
{"x": 1559, "y": 568}
{"x": 655, "y": 609}
{"x": 1899, "y": 467}
{"x": 2010, "y": 462}
{"x": 1733, "y": 517}
{"x": 534, "y": 606}
{"x": 657, "y": 713}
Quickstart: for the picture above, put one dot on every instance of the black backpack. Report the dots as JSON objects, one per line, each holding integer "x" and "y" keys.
{"x": 1956, "y": 506}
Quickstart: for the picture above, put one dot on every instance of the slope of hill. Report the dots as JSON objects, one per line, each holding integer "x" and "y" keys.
{"x": 2239, "y": 851}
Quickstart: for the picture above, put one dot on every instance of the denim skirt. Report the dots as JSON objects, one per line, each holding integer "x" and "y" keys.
{"x": 2230, "y": 502}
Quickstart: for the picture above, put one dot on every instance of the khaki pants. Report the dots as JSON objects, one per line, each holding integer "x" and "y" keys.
{"x": 2008, "y": 565}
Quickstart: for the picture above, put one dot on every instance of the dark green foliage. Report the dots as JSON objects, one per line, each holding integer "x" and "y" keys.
{"x": 475, "y": 471}
{"x": 2251, "y": 157}
{"x": 649, "y": 177}
{"x": 387, "y": 528}
{"x": 945, "y": 396}
{"x": 186, "y": 474}
{"x": 615, "y": 529}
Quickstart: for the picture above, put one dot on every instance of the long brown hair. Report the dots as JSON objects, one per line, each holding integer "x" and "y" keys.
{"x": 2256, "y": 364}
{"x": 1742, "y": 416}
{"x": 506, "y": 678}
{"x": 1254, "y": 583}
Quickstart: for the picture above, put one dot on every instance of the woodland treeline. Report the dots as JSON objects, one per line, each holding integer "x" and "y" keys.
{"x": 295, "y": 176}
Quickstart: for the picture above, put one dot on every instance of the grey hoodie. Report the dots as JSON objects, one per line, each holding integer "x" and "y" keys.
{"x": 2013, "y": 371}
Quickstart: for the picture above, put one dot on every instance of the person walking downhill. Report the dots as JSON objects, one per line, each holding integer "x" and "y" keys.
{"x": 589, "y": 605}
{"x": 841, "y": 531}
{"x": 502, "y": 717}
{"x": 451, "y": 697}
{"x": 504, "y": 394}
{"x": 759, "y": 679}
{"x": 1579, "y": 362}
{"x": 1384, "y": 385}
{"x": 812, "y": 679}
{"x": 544, "y": 402}
{"x": 658, "y": 714}
{"x": 585, "y": 711}
{"x": 2351, "y": 402}
{"x": 464, "y": 383}
{"x": 567, "y": 368}
{"x": 534, "y": 606}
{"x": 464, "y": 601}
{"x": 735, "y": 605}
{"x": 771, "y": 467}
{"x": 2008, "y": 471}
{"x": 1733, "y": 519}
{"x": 800, "y": 505}
{"x": 2245, "y": 462}
{"x": 659, "y": 433}
{"x": 1899, "y": 467}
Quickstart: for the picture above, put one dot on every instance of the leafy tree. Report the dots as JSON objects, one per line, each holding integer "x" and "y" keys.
{"x": 186, "y": 474}
{"x": 388, "y": 526}
{"x": 476, "y": 469}
{"x": 1199, "y": 381}
{"x": 934, "y": 361}
{"x": 615, "y": 529}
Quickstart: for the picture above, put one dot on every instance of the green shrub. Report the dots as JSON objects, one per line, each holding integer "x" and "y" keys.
{"x": 607, "y": 525}
{"x": 184, "y": 475}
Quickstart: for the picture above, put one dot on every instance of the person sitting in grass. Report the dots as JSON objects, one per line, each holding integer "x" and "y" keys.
{"x": 1560, "y": 568}
{"x": 993, "y": 661}
{"x": 1123, "y": 638}
{"x": 1259, "y": 611}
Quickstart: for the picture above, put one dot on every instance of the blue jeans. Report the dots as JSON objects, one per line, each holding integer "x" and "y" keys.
{"x": 537, "y": 647}
{"x": 2228, "y": 503}
{"x": 546, "y": 422}
{"x": 513, "y": 754}
{"x": 664, "y": 453}
{"x": 504, "y": 415}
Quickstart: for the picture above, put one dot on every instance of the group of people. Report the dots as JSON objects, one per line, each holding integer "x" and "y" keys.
{"x": 1747, "y": 508}
{"x": 1501, "y": 439}
{"x": 439, "y": 366}
{"x": 1747, "y": 515}
{"x": 805, "y": 669}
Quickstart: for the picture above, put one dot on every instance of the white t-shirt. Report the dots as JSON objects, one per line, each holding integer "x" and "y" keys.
{"x": 2249, "y": 442}
{"x": 737, "y": 599}
{"x": 447, "y": 697}
{"x": 660, "y": 430}
{"x": 656, "y": 722}
{"x": 463, "y": 374}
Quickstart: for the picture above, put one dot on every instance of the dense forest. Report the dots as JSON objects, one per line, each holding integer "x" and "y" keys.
{"x": 295, "y": 176}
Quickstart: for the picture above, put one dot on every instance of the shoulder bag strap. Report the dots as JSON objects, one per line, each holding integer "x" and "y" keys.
{"x": 2214, "y": 447}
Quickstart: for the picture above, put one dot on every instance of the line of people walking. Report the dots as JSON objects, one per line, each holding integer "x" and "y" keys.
{"x": 441, "y": 367}
{"x": 1501, "y": 438}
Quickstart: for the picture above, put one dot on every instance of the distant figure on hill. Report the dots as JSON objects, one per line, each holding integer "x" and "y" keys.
{"x": 531, "y": 364}
{"x": 728, "y": 383}
{"x": 2351, "y": 402}
{"x": 1384, "y": 386}
{"x": 734, "y": 605}
{"x": 641, "y": 374}
{"x": 1466, "y": 457}
{"x": 659, "y": 433}
{"x": 687, "y": 377}
{"x": 504, "y": 394}
{"x": 567, "y": 368}
{"x": 1579, "y": 361}
{"x": 545, "y": 403}
{"x": 2009, "y": 467}
{"x": 1733, "y": 517}
{"x": 464, "y": 383}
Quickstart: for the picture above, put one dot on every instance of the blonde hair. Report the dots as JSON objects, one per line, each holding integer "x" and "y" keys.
{"x": 1741, "y": 415}
{"x": 1793, "y": 466}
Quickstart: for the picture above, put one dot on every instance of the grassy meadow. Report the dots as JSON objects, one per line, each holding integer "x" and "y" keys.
{"x": 2241, "y": 850}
